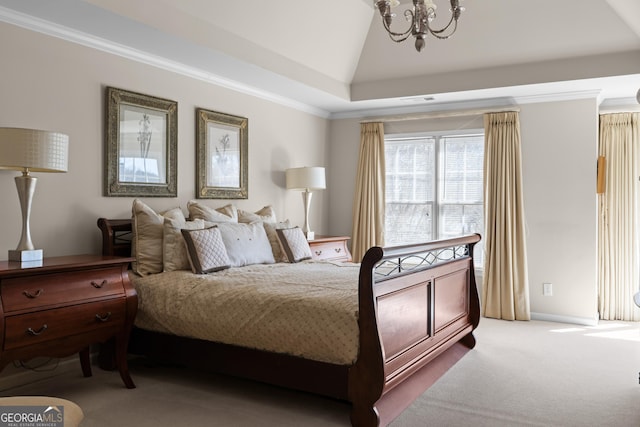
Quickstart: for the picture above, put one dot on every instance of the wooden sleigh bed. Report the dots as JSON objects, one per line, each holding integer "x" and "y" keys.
{"x": 417, "y": 308}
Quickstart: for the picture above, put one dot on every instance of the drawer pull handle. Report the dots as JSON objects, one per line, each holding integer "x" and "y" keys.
{"x": 338, "y": 250}
{"x": 38, "y": 332}
{"x": 103, "y": 318}
{"x": 32, "y": 296}
{"x": 98, "y": 285}
{"x": 318, "y": 253}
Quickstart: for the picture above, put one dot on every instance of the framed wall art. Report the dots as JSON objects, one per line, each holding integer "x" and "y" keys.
{"x": 221, "y": 148}
{"x": 140, "y": 145}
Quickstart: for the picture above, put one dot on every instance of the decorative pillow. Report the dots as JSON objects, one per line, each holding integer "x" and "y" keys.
{"x": 205, "y": 250}
{"x": 246, "y": 243}
{"x": 148, "y": 232}
{"x": 266, "y": 214}
{"x": 174, "y": 251}
{"x": 294, "y": 244}
{"x": 227, "y": 213}
{"x": 272, "y": 235}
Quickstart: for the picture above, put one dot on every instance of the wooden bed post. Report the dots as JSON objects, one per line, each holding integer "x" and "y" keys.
{"x": 366, "y": 377}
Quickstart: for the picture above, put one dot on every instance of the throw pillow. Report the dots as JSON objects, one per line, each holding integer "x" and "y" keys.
{"x": 227, "y": 213}
{"x": 270, "y": 228}
{"x": 148, "y": 233}
{"x": 246, "y": 243}
{"x": 174, "y": 251}
{"x": 266, "y": 214}
{"x": 205, "y": 250}
{"x": 294, "y": 244}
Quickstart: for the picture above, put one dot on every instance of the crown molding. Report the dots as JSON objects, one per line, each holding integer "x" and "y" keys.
{"x": 48, "y": 28}
{"x": 483, "y": 104}
{"x": 558, "y": 97}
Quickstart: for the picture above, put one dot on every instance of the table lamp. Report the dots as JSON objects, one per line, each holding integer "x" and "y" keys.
{"x": 306, "y": 179}
{"x": 30, "y": 150}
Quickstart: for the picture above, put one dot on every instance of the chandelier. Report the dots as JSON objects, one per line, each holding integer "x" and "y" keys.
{"x": 420, "y": 17}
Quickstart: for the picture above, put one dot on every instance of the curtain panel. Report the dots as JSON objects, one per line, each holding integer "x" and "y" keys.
{"x": 618, "y": 249}
{"x": 505, "y": 286}
{"x": 369, "y": 198}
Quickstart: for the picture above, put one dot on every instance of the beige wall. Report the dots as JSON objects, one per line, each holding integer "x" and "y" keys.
{"x": 51, "y": 84}
{"x": 559, "y": 142}
{"x": 48, "y": 83}
{"x": 559, "y": 151}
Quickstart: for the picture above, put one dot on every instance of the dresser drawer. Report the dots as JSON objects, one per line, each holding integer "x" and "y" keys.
{"x": 335, "y": 250}
{"x": 50, "y": 289}
{"x": 32, "y": 328}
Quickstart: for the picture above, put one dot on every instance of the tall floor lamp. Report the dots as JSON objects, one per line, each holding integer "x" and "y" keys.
{"x": 30, "y": 150}
{"x": 306, "y": 179}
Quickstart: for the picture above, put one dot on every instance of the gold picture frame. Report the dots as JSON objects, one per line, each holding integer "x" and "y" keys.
{"x": 141, "y": 140}
{"x": 222, "y": 143}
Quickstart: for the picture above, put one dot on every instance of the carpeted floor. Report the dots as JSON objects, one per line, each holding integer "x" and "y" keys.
{"x": 520, "y": 374}
{"x": 539, "y": 374}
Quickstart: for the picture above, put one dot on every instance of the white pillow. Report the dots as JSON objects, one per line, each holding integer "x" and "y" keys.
{"x": 197, "y": 210}
{"x": 174, "y": 252}
{"x": 294, "y": 244}
{"x": 270, "y": 228}
{"x": 205, "y": 250}
{"x": 246, "y": 243}
{"x": 266, "y": 214}
{"x": 148, "y": 232}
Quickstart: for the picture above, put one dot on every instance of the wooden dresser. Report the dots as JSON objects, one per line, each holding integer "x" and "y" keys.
{"x": 330, "y": 248}
{"x": 64, "y": 306}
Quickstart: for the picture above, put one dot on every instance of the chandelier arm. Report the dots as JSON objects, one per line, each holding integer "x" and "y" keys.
{"x": 436, "y": 33}
{"x": 404, "y": 34}
{"x": 399, "y": 39}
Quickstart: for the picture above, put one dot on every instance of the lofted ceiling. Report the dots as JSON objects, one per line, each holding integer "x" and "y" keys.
{"x": 334, "y": 59}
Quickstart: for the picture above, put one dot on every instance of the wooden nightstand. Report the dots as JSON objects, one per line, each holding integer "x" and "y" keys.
{"x": 330, "y": 248}
{"x": 63, "y": 306}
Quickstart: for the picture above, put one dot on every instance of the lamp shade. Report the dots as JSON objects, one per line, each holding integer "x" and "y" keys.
{"x": 306, "y": 178}
{"x": 33, "y": 150}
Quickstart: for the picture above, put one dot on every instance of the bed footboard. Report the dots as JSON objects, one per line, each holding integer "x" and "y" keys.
{"x": 418, "y": 308}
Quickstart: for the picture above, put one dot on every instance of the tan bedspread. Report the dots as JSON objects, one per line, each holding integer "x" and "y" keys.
{"x": 309, "y": 309}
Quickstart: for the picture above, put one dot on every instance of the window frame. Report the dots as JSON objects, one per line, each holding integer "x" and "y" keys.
{"x": 437, "y": 136}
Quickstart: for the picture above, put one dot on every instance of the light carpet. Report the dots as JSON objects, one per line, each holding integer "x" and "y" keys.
{"x": 520, "y": 374}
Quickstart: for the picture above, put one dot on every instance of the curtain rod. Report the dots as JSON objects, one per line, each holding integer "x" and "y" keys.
{"x": 441, "y": 114}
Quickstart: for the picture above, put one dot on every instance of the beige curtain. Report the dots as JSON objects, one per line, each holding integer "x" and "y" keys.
{"x": 368, "y": 201}
{"x": 618, "y": 217}
{"x": 505, "y": 287}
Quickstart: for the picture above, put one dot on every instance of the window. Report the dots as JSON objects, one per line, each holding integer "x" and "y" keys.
{"x": 434, "y": 187}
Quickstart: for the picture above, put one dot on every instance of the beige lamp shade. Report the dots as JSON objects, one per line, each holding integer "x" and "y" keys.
{"x": 33, "y": 150}
{"x": 306, "y": 178}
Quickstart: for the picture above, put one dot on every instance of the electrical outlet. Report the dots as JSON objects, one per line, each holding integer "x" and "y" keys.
{"x": 547, "y": 289}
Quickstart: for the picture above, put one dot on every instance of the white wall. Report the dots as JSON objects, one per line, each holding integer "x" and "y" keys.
{"x": 559, "y": 151}
{"x": 559, "y": 141}
{"x": 48, "y": 83}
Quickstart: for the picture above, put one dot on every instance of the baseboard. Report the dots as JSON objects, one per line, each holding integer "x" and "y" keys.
{"x": 12, "y": 377}
{"x": 585, "y": 321}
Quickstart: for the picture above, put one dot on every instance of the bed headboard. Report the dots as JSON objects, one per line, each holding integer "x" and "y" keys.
{"x": 116, "y": 236}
